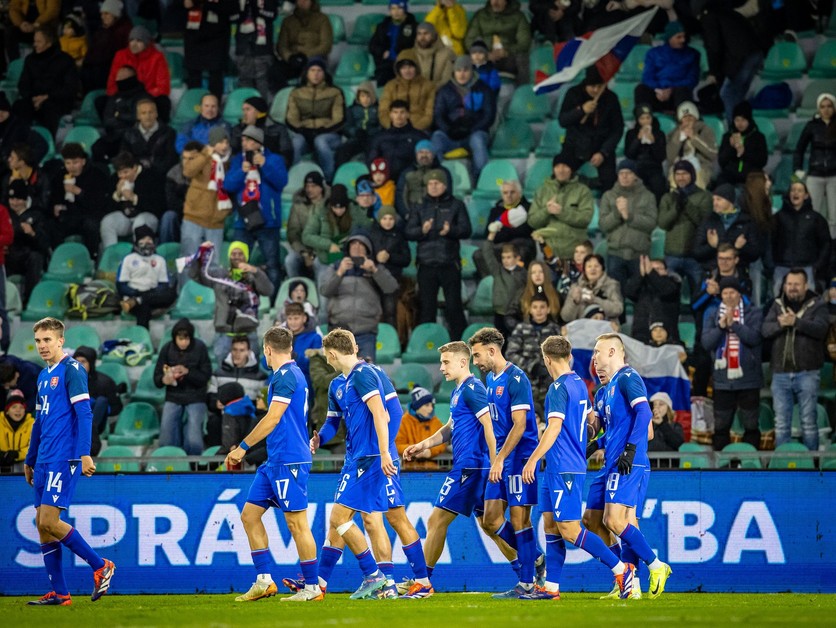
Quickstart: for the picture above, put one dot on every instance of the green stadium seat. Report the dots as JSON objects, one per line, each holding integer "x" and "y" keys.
{"x": 168, "y": 466}
{"x": 703, "y": 57}
{"x": 624, "y": 92}
{"x": 633, "y": 66}
{"x": 797, "y": 457}
{"x": 355, "y": 66}
{"x": 407, "y": 376}
{"x": 424, "y": 342}
{"x": 592, "y": 229}
{"x": 364, "y": 27}
{"x": 830, "y": 31}
{"x": 23, "y": 346}
{"x": 766, "y": 417}
{"x": 794, "y": 135}
{"x": 445, "y": 389}
{"x": 461, "y": 177}
{"x": 70, "y": 262}
{"x": 716, "y": 125}
{"x": 687, "y": 333}
{"x": 110, "y": 259}
{"x": 388, "y": 347}
{"x": 482, "y": 302}
{"x": 601, "y": 248}
{"x": 48, "y": 298}
{"x": 666, "y": 123}
{"x": 695, "y": 461}
{"x": 811, "y": 92}
{"x": 50, "y": 142}
{"x": 782, "y": 175}
{"x": 472, "y": 329}
{"x": 767, "y": 127}
{"x": 82, "y": 336}
{"x": 785, "y": 60}
{"x": 188, "y": 106}
{"x": 138, "y": 425}
{"x": 478, "y": 210}
{"x": 14, "y": 304}
{"x": 727, "y": 458}
{"x": 234, "y": 102}
{"x": 278, "y": 110}
{"x": 13, "y": 72}
{"x": 348, "y": 173}
{"x": 541, "y": 59}
{"x": 195, "y": 301}
{"x": 827, "y": 387}
{"x": 513, "y": 140}
{"x": 296, "y": 177}
{"x": 146, "y": 390}
{"x": 468, "y": 266}
{"x": 493, "y": 175}
{"x": 336, "y": 3}
{"x": 551, "y": 142}
{"x": 822, "y": 421}
{"x": 337, "y": 27}
{"x": 442, "y": 411}
{"x": 117, "y": 372}
{"x": 103, "y": 465}
{"x": 281, "y": 296}
{"x": 527, "y": 106}
{"x": 211, "y": 451}
{"x": 88, "y": 115}
{"x": 176, "y": 68}
{"x": 535, "y": 176}
{"x": 657, "y": 243}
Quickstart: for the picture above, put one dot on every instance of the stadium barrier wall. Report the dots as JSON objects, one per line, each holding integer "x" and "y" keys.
{"x": 742, "y": 531}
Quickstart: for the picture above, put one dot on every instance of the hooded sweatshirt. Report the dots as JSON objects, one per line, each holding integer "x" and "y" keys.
{"x": 191, "y": 388}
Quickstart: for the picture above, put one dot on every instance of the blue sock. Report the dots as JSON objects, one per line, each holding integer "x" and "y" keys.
{"x": 78, "y": 546}
{"x": 309, "y": 571}
{"x": 54, "y": 567}
{"x": 595, "y": 547}
{"x": 506, "y": 533}
{"x": 628, "y": 555}
{"x": 414, "y": 553}
{"x": 262, "y": 561}
{"x": 635, "y": 540}
{"x": 517, "y": 567}
{"x": 388, "y": 570}
{"x": 329, "y": 557}
{"x": 430, "y": 571}
{"x": 526, "y": 554}
{"x": 555, "y": 557}
{"x": 616, "y": 549}
{"x": 366, "y": 560}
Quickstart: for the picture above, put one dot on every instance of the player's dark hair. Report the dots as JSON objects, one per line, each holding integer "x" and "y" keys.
{"x": 556, "y": 348}
{"x": 239, "y": 339}
{"x": 294, "y": 309}
{"x": 339, "y": 340}
{"x": 457, "y": 346}
{"x": 487, "y": 336}
{"x": 49, "y": 324}
{"x": 73, "y": 150}
{"x": 279, "y": 339}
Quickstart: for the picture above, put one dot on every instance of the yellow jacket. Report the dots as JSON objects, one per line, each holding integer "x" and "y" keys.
{"x": 16, "y": 440}
{"x": 76, "y": 47}
{"x": 450, "y": 24}
{"x": 47, "y": 11}
{"x": 413, "y": 431}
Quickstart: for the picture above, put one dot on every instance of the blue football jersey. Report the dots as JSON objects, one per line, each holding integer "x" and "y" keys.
{"x": 467, "y": 403}
{"x": 361, "y": 384}
{"x": 63, "y": 419}
{"x": 604, "y": 424}
{"x": 288, "y": 443}
{"x": 627, "y": 414}
{"x": 336, "y": 411}
{"x": 393, "y": 407}
{"x": 568, "y": 399}
{"x": 509, "y": 391}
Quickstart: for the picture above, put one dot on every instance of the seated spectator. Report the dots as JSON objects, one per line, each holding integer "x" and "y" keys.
{"x": 392, "y": 36}
{"x": 206, "y": 43}
{"x": 23, "y": 166}
{"x": 203, "y": 214}
{"x": 381, "y": 180}
{"x": 416, "y": 425}
{"x": 255, "y": 112}
{"x": 555, "y": 20}
{"x": 353, "y": 289}
{"x": 391, "y": 250}
{"x": 668, "y": 435}
{"x": 561, "y": 211}
{"x": 732, "y": 335}
{"x": 593, "y": 288}
{"x": 398, "y": 140}
{"x": 15, "y": 431}
{"x": 818, "y": 135}
{"x": 539, "y": 283}
{"x": 592, "y": 118}
{"x": 14, "y": 130}
{"x": 238, "y": 414}
{"x": 151, "y": 68}
{"x": 693, "y": 140}
{"x": 297, "y": 292}
{"x": 254, "y": 51}
{"x": 509, "y": 278}
{"x": 239, "y": 366}
{"x": 465, "y": 109}
{"x": 671, "y": 71}
{"x": 138, "y": 200}
{"x": 655, "y": 293}
{"x": 197, "y": 130}
{"x": 412, "y": 89}
{"x": 681, "y": 212}
{"x": 328, "y": 227}
{"x": 29, "y": 251}
{"x": 119, "y": 113}
{"x": 645, "y": 144}
{"x": 450, "y": 21}
{"x": 727, "y": 224}
{"x": 104, "y": 395}
{"x": 742, "y": 149}
{"x": 306, "y": 336}
{"x": 142, "y": 279}
{"x": 105, "y": 42}
{"x": 411, "y": 187}
{"x": 315, "y": 114}
{"x": 435, "y": 59}
{"x": 48, "y": 82}
{"x": 310, "y": 199}
{"x": 485, "y": 69}
{"x": 627, "y": 217}
{"x": 183, "y": 369}
{"x": 503, "y": 23}
{"x": 567, "y": 272}
{"x": 362, "y": 123}
{"x": 508, "y": 223}
{"x": 20, "y": 374}
{"x": 305, "y": 34}
{"x": 151, "y": 141}
{"x": 24, "y": 19}
{"x": 73, "y": 38}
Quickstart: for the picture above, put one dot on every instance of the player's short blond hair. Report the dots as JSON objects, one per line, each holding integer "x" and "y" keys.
{"x": 49, "y": 324}
{"x": 341, "y": 341}
{"x": 613, "y": 336}
{"x": 556, "y": 348}
{"x": 279, "y": 339}
{"x": 457, "y": 346}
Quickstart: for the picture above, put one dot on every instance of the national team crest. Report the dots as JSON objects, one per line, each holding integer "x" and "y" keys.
{"x": 339, "y": 393}
{"x": 499, "y": 391}
{"x": 53, "y": 383}
{"x": 454, "y": 400}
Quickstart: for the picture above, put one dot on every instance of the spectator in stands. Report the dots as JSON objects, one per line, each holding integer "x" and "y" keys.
{"x": 305, "y": 336}
{"x": 238, "y": 414}
{"x": 208, "y": 118}
{"x": 104, "y": 394}
{"x": 671, "y": 71}
{"x": 797, "y": 323}
{"x": 315, "y": 114}
{"x": 727, "y": 224}
{"x": 568, "y": 271}
{"x": 322, "y": 374}
{"x": 593, "y": 288}
{"x": 297, "y": 292}
{"x": 151, "y": 141}
{"x": 411, "y": 88}
{"x": 628, "y": 215}
{"x": 312, "y": 198}
{"x": 79, "y": 199}
{"x": 362, "y": 123}
{"x": 681, "y": 212}
{"x": 25, "y": 18}
{"x": 203, "y": 213}
{"x": 450, "y": 21}
{"x": 15, "y": 130}
{"x": 138, "y": 199}
{"x": 353, "y": 287}
{"x": 398, "y": 140}
{"x": 142, "y": 279}
{"x": 655, "y": 293}
{"x": 183, "y": 368}
{"x": 23, "y": 166}
{"x": 819, "y": 135}
{"x": 28, "y": 253}
{"x": 539, "y": 282}
{"x": 555, "y": 20}
{"x": 19, "y": 374}
{"x": 659, "y": 337}
{"x": 509, "y": 278}
{"x": 562, "y": 209}
{"x": 73, "y": 39}
{"x": 756, "y": 202}
{"x": 645, "y": 144}
{"x": 255, "y": 112}
{"x": 15, "y": 431}
{"x": 464, "y": 111}
{"x": 693, "y": 140}
{"x": 727, "y": 265}
{"x": 391, "y": 250}
{"x": 176, "y": 188}
{"x": 119, "y": 113}
{"x": 732, "y": 334}
{"x": 592, "y": 118}
{"x": 328, "y": 227}
{"x": 411, "y": 187}
{"x": 483, "y": 67}
{"x": 151, "y": 68}
{"x": 503, "y": 24}
{"x": 438, "y": 225}
{"x": 381, "y": 180}
{"x": 668, "y": 435}
{"x": 239, "y": 366}
{"x": 257, "y": 177}
{"x": 417, "y": 424}
{"x": 254, "y": 43}
{"x": 306, "y": 33}
{"x": 105, "y": 42}
{"x": 206, "y": 43}
{"x": 742, "y": 149}
{"x": 508, "y": 224}
{"x": 392, "y": 36}
{"x": 48, "y": 83}
{"x": 435, "y": 59}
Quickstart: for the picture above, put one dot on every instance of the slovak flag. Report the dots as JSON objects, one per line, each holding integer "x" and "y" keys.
{"x": 606, "y": 48}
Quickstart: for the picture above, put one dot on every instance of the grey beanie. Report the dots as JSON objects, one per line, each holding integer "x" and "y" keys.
{"x": 140, "y": 33}
{"x": 114, "y": 7}
{"x": 463, "y": 62}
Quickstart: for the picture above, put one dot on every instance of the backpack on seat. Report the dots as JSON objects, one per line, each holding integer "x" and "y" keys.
{"x": 94, "y": 299}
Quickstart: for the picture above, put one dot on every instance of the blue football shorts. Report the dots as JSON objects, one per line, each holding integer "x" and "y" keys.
{"x": 511, "y": 488}
{"x": 54, "y": 483}
{"x": 362, "y": 485}
{"x": 463, "y": 492}
{"x": 282, "y": 486}
{"x": 611, "y": 487}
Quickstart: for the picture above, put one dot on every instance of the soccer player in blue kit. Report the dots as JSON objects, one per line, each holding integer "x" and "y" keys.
{"x": 59, "y": 451}
{"x": 281, "y": 481}
{"x": 564, "y": 446}
{"x": 515, "y": 427}
{"x": 622, "y": 481}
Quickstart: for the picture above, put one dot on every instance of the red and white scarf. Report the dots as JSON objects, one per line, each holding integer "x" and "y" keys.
{"x": 728, "y": 354}
{"x": 216, "y": 182}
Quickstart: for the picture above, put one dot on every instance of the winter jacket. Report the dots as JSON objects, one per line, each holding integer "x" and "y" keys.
{"x": 706, "y": 254}
{"x": 149, "y": 188}
{"x": 258, "y": 15}
{"x": 206, "y": 43}
{"x": 411, "y": 188}
{"x": 666, "y": 67}
{"x": 667, "y": 436}
{"x": 459, "y": 115}
{"x": 201, "y": 206}
{"x": 158, "y": 152}
{"x": 435, "y": 250}
{"x": 51, "y": 72}
{"x": 301, "y": 211}
{"x": 703, "y": 301}
{"x": 681, "y": 223}
{"x": 755, "y": 155}
{"x": 435, "y": 62}
{"x": 7, "y": 233}
{"x": 729, "y": 40}
{"x": 354, "y": 298}
{"x": 27, "y": 380}
{"x": 17, "y": 439}
{"x": 316, "y": 109}
{"x": 120, "y": 109}
{"x": 509, "y": 233}
{"x": 419, "y": 94}
{"x": 48, "y": 11}
{"x": 102, "y": 385}
{"x": 394, "y": 243}
{"x": 138, "y": 274}
{"x": 656, "y": 298}
{"x": 381, "y": 40}
{"x": 648, "y": 157}
{"x": 321, "y": 231}
{"x": 508, "y": 285}
{"x": 397, "y": 145}
{"x": 601, "y": 131}
{"x": 412, "y": 431}
{"x": 192, "y": 388}
{"x": 628, "y": 239}
{"x": 822, "y": 143}
{"x": 23, "y": 244}
{"x": 801, "y": 237}
{"x": 273, "y": 179}
{"x": 197, "y": 130}
{"x": 606, "y": 294}
{"x": 450, "y": 24}
{"x": 93, "y": 200}
{"x": 38, "y": 184}
{"x": 305, "y": 32}
{"x": 702, "y": 147}
{"x": 104, "y": 44}
{"x": 799, "y": 347}
{"x": 751, "y": 342}
{"x": 489, "y": 76}
{"x": 250, "y": 376}
{"x": 523, "y": 349}
{"x": 510, "y": 26}
{"x": 362, "y": 122}
{"x": 567, "y": 229}
{"x": 151, "y": 70}
{"x": 276, "y": 138}
{"x": 76, "y": 47}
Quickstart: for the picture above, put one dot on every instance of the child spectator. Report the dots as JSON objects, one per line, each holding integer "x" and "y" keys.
{"x": 297, "y": 292}
{"x": 74, "y": 38}
{"x": 509, "y": 277}
{"x": 539, "y": 282}
{"x": 569, "y": 271}
{"x": 238, "y": 415}
{"x": 646, "y": 145}
{"x": 667, "y": 433}
{"x": 484, "y": 68}
{"x": 362, "y": 122}
{"x": 366, "y": 197}
{"x": 416, "y": 425}
{"x": 16, "y": 430}
{"x": 382, "y": 182}
{"x": 142, "y": 279}
{"x": 392, "y": 251}
{"x": 305, "y": 336}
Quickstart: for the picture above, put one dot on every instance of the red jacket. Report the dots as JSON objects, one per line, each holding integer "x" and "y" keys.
{"x": 151, "y": 70}
{"x": 7, "y": 234}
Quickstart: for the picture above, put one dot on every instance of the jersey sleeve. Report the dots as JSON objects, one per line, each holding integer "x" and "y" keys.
{"x": 334, "y": 415}
{"x": 556, "y": 403}
{"x": 476, "y": 399}
{"x": 520, "y": 391}
{"x": 367, "y": 383}
{"x": 635, "y": 394}
{"x": 283, "y": 387}
{"x": 77, "y": 391}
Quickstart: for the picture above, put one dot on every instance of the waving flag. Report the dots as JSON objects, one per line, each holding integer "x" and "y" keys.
{"x": 606, "y": 48}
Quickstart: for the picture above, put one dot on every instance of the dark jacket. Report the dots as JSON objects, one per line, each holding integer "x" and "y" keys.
{"x": 703, "y": 301}
{"x": 666, "y": 67}
{"x": 411, "y": 188}
{"x": 667, "y": 436}
{"x": 93, "y": 203}
{"x": 158, "y": 152}
{"x": 600, "y": 132}
{"x": 27, "y": 380}
{"x": 508, "y": 285}
{"x": 52, "y": 72}
{"x": 734, "y": 169}
{"x": 381, "y": 39}
{"x": 257, "y": 11}
{"x": 648, "y": 157}
{"x": 713, "y": 337}
{"x": 458, "y": 115}
{"x": 100, "y": 384}
{"x": 507, "y": 234}
{"x": 273, "y": 179}
{"x": 801, "y": 237}
{"x": 24, "y": 244}
{"x": 394, "y": 242}
{"x": 822, "y": 144}
{"x": 120, "y": 109}
{"x": 250, "y": 376}
{"x": 729, "y": 40}
{"x": 149, "y": 188}
{"x": 104, "y": 44}
{"x": 681, "y": 216}
{"x": 207, "y": 47}
{"x": 434, "y": 249}
{"x": 800, "y": 347}
{"x": 193, "y": 387}
{"x": 656, "y": 298}
{"x": 397, "y": 145}
{"x": 706, "y": 254}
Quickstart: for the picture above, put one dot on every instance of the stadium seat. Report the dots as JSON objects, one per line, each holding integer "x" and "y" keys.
{"x": 337, "y": 26}
{"x": 468, "y": 266}
{"x": 541, "y": 59}
{"x": 785, "y": 60}
{"x": 624, "y": 93}
{"x": 408, "y": 376}
{"x": 797, "y": 456}
{"x": 138, "y": 425}
{"x": 827, "y": 388}
{"x": 766, "y": 417}
{"x": 355, "y": 66}
{"x": 103, "y": 465}
{"x": 527, "y": 106}
{"x": 461, "y": 177}
{"x": 442, "y": 411}
{"x": 47, "y": 299}
{"x": 592, "y": 229}
{"x": 187, "y": 107}
{"x": 388, "y": 347}
{"x": 14, "y": 304}
{"x": 88, "y": 115}
{"x": 703, "y": 57}
{"x": 82, "y": 335}
{"x": 726, "y": 458}
{"x": 70, "y": 263}
{"x": 348, "y": 173}
{"x": 168, "y": 466}
{"x": 335, "y": 3}
{"x": 696, "y": 461}
{"x": 717, "y": 126}
{"x": 146, "y": 390}
{"x": 234, "y": 102}
{"x": 472, "y": 329}
{"x": 170, "y": 251}
{"x": 195, "y": 301}
{"x": 278, "y": 110}
{"x": 601, "y": 248}
{"x": 478, "y": 210}
{"x": 632, "y": 67}
{"x": 824, "y": 63}
{"x": 551, "y": 142}
{"x": 50, "y": 142}
{"x": 687, "y": 333}
{"x": 424, "y": 342}
{"x": 482, "y": 302}
{"x": 23, "y": 346}
{"x": 493, "y": 175}
{"x": 535, "y": 175}
{"x": 364, "y": 27}
{"x": 666, "y": 123}
{"x": 513, "y": 140}
{"x": 281, "y": 296}
{"x": 137, "y": 334}
{"x": 767, "y": 127}
{"x": 110, "y": 259}
{"x": 118, "y": 373}
{"x": 808, "y": 109}
{"x": 13, "y": 72}
{"x": 412, "y": 269}
{"x": 657, "y": 243}
{"x": 794, "y": 135}
{"x": 176, "y": 68}
{"x": 782, "y": 175}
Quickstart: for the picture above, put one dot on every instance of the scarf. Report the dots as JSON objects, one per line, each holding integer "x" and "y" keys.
{"x": 216, "y": 182}
{"x": 252, "y": 187}
{"x": 728, "y": 354}
{"x": 204, "y": 256}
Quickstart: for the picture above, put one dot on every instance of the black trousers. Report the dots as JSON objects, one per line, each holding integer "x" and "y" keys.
{"x": 152, "y": 300}
{"x": 726, "y": 403}
{"x": 449, "y": 279}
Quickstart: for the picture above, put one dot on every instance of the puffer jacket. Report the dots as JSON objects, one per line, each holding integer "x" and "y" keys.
{"x": 354, "y": 298}
{"x": 319, "y": 108}
{"x": 434, "y": 249}
{"x": 733, "y": 168}
{"x": 799, "y": 347}
{"x": 273, "y": 179}
{"x": 250, "y": 376}
{"x": 151, "y": 70}
{"x": 599, "y": 133}
{"x": 801, "y": 237}
{"x": 628, "y": 239}
{"x": 394, "y": 243}
{"x": 510, "y": 25}
{"x": 523, "y": 349}
{"x": 706, "y": 254}
{"x": 671, "y": 67}
{"x": 197, "y": 130}
{"x": 435, "y": 62}
{"x": 411, "y": 188}
{"x": 52, "y": 72}
{"x": 362, "y": 122}
{"x": 450, "y": 24}
{"x": 48, "y": 11}
{"x": 419, "y": 94}
{"x": 606, "y": 294}
{"x": 682, "y": 223}
{"x": 301, "y": 211}
{"x": 568, "y": 228}
{"x": 822, "y": 144}
{"x": 321, "y": 232}
{"x": 305, "y": 32}
{"x": 751, "y": 344}
{"x": 12, "y": 439}
{"x": 193, "y": 387}
{"x": 397, "y": 145}
{"x": 380, "y": 41}
{"x": 458, "y": 115}
{"x": 656, "y": 298}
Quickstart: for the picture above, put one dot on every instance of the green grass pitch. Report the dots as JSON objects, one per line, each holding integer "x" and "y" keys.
{"x": 450, "y": 609}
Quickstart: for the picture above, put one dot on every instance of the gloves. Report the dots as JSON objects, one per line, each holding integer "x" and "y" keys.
{"x": 625, "y": 460}
{"x": 591, "y": 447}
